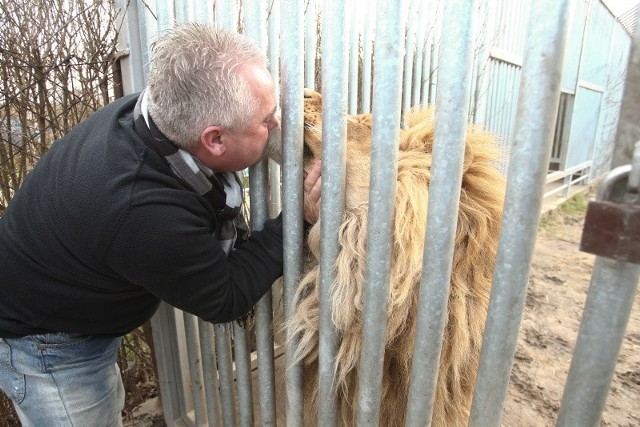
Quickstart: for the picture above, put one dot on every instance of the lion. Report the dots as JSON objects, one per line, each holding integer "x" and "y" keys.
{"x": 476, "y": 241}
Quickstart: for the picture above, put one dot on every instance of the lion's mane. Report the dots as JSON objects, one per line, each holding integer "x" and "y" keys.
{"x": 476, "y": 242}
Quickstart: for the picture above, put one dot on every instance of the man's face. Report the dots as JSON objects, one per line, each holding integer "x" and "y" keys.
{"x": 246, "y": 146}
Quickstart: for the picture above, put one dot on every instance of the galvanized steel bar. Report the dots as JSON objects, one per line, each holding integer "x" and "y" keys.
{"x": 266, "y": 370}
{"x": 225, "y": 373}
{"x": 264, "y": 309}
{"x": 426, "y": 72}
{"x": 451, "y": 110}
{"x": 143, "y": 32}
{"x": 367, "y": 57}
{"x": 129, "y": 40}
{"x": 354, "y": 56}
{"x": 193, "y": 352}
{"x": 604, "y": 321}
{"x": 420, "y": 42}
{"x": 181, "y": 10}
{"x": 170, "y": 379}
{"x": 409, "y": 52}
{"x": 292, "y": 51}
{"x": 242, "y": 359}
{"x": 254, "y": 28}
{"x": 335, "y": 55}
{"x": 164, "y": 16}
{"x": 387, "y": 99}
{"x": 482, "y": 65}
{"x": 537, "y": 106}
{"x": 434, "y": 68}
{"x": 429, "y": 36}
{"x": 273, "y": 31}
{"x": 310, "y": 44}
{"x": 209, "y": 371}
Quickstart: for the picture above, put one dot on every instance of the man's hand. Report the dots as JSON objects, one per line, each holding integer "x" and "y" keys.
{"x": 312, "y": 184}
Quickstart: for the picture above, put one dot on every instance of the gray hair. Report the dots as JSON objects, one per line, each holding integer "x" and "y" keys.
{"x": 193, "y": 81}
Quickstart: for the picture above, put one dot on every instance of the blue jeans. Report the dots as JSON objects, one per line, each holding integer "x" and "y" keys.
{"x": 63, "y": 379}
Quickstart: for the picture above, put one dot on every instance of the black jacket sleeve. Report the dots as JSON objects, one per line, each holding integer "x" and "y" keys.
{"x": 168, "y": 249}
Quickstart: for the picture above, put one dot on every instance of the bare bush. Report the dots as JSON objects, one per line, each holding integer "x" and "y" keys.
{"x": 56, "y": 62}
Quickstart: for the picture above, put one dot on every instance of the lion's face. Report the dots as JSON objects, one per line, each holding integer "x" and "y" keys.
{"x": 358, "y": 133}
{"x": 358, "y": 130}
{"x": 358, "y": 147}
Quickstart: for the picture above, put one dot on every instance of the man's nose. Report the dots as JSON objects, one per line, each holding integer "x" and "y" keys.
{"x": 275, "y": 122}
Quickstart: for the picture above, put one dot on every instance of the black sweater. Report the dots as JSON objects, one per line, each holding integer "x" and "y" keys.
{"x": 102, "y": 230}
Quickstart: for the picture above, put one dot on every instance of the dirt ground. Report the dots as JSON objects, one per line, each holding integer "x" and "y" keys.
{"x": 556, "y": 295}
{"x": 557, "y": 292}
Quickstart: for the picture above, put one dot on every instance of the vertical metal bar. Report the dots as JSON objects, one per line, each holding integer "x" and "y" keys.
{"x": 409, "y": 32}
{"x": 193, "y": 353}
{"x": 452, "y": 104}
{"x": 292, "y": 51}
{"x": 273, "y": 28}
{"x": 334, "y": 132}
{"x": 491, "y": 98}
{"x": 354, "y": 57}
{"x": 426, "y": 76}
{"x": 170, "y": 379}
{"x": 429, "y": 30}
{"x": 181, "y": 10}
{"x": 143, "y": 33}
{"x": 242, "y": 359}
{"x": 254, "y": 28}
{"x": 537, "y": 104}
{"x": 387, "y": 99}
{"x": 131, "y": 38}
{"x": 266, "y": 370}
{"x": 209, "y": 372}
{"x": 367, "y": 57}
{"x": 502, "y": 95}
{"x": 435, "y": 52}
{"x": 310, "y": 44}
{"x": 483, "y": 63}
{"x": 515, "y": 72}
{"x": 417, "y": 66}
{"x": 606, "y": 314}
{"x": 162, "y": 12}
{"x": 225, "y": 373}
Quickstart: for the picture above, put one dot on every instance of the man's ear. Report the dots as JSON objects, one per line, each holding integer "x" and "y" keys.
{"x": 211, "y": 141}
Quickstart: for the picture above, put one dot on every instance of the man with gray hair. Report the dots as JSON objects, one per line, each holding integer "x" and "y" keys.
{"x": 138, "y": 204}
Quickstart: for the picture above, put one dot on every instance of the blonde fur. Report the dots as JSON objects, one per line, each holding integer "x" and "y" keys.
{"x": 475, "y": 249}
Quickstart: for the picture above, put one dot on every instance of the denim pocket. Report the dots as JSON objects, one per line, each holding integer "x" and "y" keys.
{"x": 12, "y": 382}
{"x": 69, "y": 351}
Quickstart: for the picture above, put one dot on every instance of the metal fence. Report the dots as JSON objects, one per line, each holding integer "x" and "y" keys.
{"x": 546, "y": 76}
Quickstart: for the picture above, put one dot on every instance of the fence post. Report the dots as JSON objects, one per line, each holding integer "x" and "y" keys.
{"x": 533, "y": 136}
{"x": 452, "y": 102}
{"x": 387, "y": 100}
{"x": 334, "y": 131}
{"x": 292, "y": 66}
